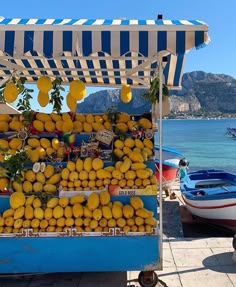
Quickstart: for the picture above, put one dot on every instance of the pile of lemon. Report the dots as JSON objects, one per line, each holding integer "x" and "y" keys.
{"x": 93, "y": 214}
{"x": 11, "y": 123}
{"x": 92, "y": 174}
{"x": 40, "y": 149}
{"x": 125, "y": 123}
{"x": 45, "y": 179}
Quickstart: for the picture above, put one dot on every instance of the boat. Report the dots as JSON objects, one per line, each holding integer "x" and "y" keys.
{"x": 231, "y": 132}
{"x": 170, "y": 164}
{"x": 210, "y": 195}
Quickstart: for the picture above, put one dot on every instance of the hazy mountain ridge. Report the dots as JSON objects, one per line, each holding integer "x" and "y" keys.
{"x": 200, "y": 91}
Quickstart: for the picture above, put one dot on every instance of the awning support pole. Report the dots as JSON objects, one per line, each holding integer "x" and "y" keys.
{"x": 160, "y": 75}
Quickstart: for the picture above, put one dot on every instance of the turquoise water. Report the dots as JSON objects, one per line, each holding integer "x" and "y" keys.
{"x": 203, "y": 142}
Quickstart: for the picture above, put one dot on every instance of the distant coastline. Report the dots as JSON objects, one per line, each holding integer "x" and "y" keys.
{"x": 200, "y": 115}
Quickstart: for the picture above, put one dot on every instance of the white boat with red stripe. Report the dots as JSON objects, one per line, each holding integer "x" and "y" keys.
{"x": 211, "y": 195}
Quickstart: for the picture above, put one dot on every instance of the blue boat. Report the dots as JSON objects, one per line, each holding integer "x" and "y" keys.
{"x": 211, "y": 195}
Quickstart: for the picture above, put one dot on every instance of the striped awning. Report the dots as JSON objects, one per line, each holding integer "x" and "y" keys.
{"x": 98, "y": 52}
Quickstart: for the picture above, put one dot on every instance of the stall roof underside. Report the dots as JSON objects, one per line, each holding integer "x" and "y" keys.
{"x": 98, "y": 52}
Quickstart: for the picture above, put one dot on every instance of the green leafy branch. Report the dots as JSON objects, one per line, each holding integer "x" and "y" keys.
{"x": 56, "y": 98}
{"x": 152, "y": 95}
{"x": 112, "y": 114}
{"x": 23, "y": 104}
{"x": 15, "y": 164}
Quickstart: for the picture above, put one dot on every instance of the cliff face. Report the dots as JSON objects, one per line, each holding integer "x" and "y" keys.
{"x": 184, "y": 104}
{"x": 100, "y": 101}
{"x": 211, "y": 92}
{"x": 200, "y": 90}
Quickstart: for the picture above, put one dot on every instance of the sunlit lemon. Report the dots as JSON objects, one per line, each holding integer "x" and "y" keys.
{"x": 77, "y": 90}
{"x": 43, "y": 99}
{"x": 126, "y": 94}
{"x": 44, "y": 84}
{"x": 10, "y": 92}
{"x": 71, "y": 102}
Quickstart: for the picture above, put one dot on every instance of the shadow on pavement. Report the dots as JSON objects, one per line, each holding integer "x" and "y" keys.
{"x": 172, "y": 225}
{"x": 88, "y": 279}
{"x": 221, "y": 262}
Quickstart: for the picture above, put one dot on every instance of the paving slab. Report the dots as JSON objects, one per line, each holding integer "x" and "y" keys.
{"x": 199, "y": 277}
{"x": 231, "y": 273}
{"x": 168, "y": 259}
{"x": 169, "y": 276}
{"x": 223, "y": 242}
{"x": 197, "y": 243}
{"x": 166, "y": 244}
{"x": 132, "y": 278}
{"x": 194, "y": 257}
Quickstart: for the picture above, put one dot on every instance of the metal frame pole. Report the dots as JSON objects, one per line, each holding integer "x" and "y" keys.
{"x": 160, "y": 74}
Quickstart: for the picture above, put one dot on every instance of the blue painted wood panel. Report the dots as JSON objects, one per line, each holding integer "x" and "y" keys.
{"x": 80, "y": 254}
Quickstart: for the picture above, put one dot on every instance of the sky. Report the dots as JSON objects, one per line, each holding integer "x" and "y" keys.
{"x": 218, "y": 57}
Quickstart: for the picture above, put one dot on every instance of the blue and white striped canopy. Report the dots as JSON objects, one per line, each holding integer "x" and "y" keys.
{"x": 98, "y": 52}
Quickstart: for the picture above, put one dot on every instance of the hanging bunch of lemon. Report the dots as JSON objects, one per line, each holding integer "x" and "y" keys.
{"x": 11, "y": 92}
{"x": 126, "y": 94}
{"x": 44, "y": 85}
{"x": 76, "y": 93}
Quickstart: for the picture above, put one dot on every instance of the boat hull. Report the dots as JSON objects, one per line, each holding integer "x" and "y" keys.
{"x": 215, "y": 211}
{"x": 211, "y": 196}
{"x": 170, "y": 165}
{"x": 168, "y": 173}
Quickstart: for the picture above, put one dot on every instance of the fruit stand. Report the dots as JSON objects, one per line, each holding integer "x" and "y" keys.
{"x": 78, "y": 191}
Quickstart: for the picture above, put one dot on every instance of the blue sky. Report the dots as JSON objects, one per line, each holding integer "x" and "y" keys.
{"x": 217, "y": 57}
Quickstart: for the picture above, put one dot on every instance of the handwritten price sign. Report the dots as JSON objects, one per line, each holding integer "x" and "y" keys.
{"x": 105, "y": 137}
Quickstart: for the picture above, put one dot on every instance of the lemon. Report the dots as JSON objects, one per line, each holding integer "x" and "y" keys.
{"x": 44, "y": 84}
{"x": 71, "y": 102}
{"x": 77, "y": 90}
{"x": 126, "y": 94}
{"x": 43, "y": 99}
{"x": 10, "y": 92}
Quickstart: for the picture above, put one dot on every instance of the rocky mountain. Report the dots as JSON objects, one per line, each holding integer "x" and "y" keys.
{"x": 200, "y": 91}
{"x": 207, "y": 91}
{"x": 100, "y": 101}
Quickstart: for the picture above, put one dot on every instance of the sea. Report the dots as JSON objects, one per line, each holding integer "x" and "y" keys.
{"x": 203, "y": 142}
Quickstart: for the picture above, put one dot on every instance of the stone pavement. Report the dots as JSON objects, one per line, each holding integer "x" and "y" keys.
{"x": 191, "y": 262}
